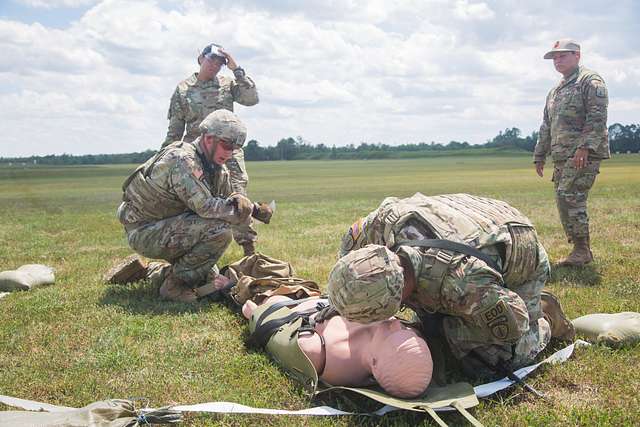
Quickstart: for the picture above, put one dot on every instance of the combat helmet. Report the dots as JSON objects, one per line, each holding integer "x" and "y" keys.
{"x": 225, "y": 125}
{"x": 366, "y": 284}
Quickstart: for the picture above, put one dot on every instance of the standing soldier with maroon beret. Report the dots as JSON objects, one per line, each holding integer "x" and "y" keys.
{"x": 574, "y": 133}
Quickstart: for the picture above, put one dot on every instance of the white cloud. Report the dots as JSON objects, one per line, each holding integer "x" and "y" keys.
{"x": 53, "y": 4}
{"x": 473, "y": 11}
{"x": 336, "y": 72}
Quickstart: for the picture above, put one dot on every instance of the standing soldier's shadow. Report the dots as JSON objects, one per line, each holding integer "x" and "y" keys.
{"x": 587, "y": 275}
{"x": 143, "y": 298}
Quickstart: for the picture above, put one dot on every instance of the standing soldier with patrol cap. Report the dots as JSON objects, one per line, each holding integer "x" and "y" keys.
{"x": 574, "y": 133}
{"x": 199, "y": 95}
{"x": 470, "y": 267}
{"x": 179, "y": 206}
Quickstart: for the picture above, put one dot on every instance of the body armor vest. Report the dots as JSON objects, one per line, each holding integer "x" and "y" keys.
{"x": 146, "y": 198}
{"x": 492, "y": 226}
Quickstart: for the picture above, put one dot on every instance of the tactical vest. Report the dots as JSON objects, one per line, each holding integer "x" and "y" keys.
{"x": 144, "y": 200}
{"x": 492, "y": 226}
{"x": 284, "y": 348}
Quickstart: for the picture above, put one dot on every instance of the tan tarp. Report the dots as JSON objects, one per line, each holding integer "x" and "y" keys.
{"x": 260, "y": 276}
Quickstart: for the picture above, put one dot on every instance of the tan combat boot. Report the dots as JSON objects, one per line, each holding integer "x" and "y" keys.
{"x": 561, "y": 327}
{"x": 131, "y": 269}
{"x": 580, "y": 255}
{"x": 175, "y": 289}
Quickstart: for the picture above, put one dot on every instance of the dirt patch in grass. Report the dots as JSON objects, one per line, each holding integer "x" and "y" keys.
{"x": 571, "y": 395}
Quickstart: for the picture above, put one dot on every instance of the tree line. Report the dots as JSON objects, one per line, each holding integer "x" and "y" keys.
{"x": 622, "y": 139}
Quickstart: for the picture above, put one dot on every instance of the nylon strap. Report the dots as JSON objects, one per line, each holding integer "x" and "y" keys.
{"x": 278, "y": 305}
{"x": 264, "y": 331}
{"x": 466, "y": 414}
{"x": 449, "y": 245}
{"x": 435, "y": 416}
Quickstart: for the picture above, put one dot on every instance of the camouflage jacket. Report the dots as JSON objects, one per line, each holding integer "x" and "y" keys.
{"x": 492, "y": 226}
{"x": 177, "y": 179}
{"x": 575, "y": 115}
{"x": 193, "y": 100}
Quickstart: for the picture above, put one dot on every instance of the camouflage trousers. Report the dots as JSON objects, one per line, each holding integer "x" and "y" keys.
{"x": 504, "y": 324}
{"x": 190, "y": 243}
{"x": 572, "y": 189}
{"x": 244, "y": 233}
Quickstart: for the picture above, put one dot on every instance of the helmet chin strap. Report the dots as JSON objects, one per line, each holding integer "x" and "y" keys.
{"x": 207, "y": 157}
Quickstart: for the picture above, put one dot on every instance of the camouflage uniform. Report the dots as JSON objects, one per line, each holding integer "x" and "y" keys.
{"x": 495, "y": 313}
{"x": 192, "y": 101}
{"x": 575, "y": 116}
{"x": 175, "y": 208}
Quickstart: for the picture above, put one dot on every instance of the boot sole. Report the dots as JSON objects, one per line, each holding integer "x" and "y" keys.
{"x": 570, "y": 334}
{"x": 130, "y": 270}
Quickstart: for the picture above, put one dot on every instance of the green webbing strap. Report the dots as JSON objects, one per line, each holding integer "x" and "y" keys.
{"x": 449, "y": 245}
{"x": 466, "y": 414}
{"x": 278, "y": 305}
{"x": 264, "y": 331}
{"x": 435, "y": 416}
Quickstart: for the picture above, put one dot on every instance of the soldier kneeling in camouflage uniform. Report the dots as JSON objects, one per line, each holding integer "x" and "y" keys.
{"x": 470, "y": 267}
{"x": 178, "y": 206}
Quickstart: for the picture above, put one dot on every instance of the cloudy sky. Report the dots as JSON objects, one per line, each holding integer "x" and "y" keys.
{"x": 95, "y": 76}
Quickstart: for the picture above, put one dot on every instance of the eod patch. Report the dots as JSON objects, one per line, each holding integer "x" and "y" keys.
{"x": 496, "y": 320}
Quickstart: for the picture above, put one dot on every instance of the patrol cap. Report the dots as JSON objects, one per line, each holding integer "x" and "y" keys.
{"x": 563, "y": 45}
{"x": 366, "y": 284}
{"x": 226, "y": 126}
{"x": 211, "y": 51}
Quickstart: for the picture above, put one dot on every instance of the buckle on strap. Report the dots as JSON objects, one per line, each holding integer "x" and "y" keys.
{"x": 440, "y": 266}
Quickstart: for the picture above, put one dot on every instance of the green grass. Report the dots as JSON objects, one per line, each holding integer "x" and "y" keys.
{"x": 81, "y": 340}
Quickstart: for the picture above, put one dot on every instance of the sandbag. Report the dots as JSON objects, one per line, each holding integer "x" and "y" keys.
{"x": 614, "y": 330}
{"x": 26, "y": 277}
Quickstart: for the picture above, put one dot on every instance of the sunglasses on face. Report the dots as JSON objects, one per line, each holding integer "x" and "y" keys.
{"x": 229, "y": 146}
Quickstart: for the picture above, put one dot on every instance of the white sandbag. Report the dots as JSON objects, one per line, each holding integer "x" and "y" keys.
{"x": 614, "y": 330}
{"x": 26, "y": 277}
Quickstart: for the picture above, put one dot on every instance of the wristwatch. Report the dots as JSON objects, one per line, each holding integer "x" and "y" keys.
{"x": 239, "y": 72}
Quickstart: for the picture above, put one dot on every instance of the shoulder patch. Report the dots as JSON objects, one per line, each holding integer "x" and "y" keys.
{"x": 601, "y": 91}
{"x": 351, "y": 237}
{"x": 495, "y": 319}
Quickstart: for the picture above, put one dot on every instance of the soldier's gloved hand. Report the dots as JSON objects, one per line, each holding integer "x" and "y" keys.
{"x": 262, "y": 212}
{"x": 243, "y": 206}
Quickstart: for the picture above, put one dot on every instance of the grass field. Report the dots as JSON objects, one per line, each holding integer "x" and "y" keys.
{"x": 81, "y": 340}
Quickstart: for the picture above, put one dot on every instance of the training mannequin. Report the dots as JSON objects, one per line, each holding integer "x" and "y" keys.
{"x": 353, "y": 354}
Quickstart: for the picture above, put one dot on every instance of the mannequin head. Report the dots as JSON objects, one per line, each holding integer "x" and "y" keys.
{"x": 400, "y": 360}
